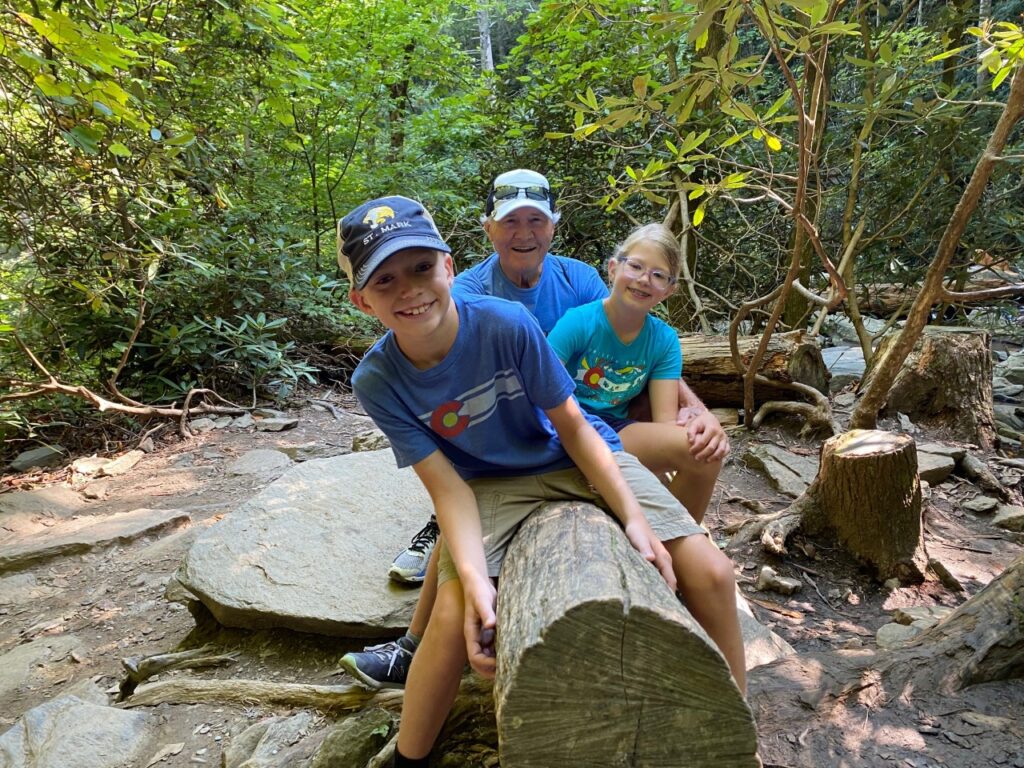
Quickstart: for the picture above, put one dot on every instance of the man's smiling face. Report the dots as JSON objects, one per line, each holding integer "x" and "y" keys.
{"x": 521, "y": 239}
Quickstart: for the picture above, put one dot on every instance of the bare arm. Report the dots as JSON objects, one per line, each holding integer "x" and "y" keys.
{"x": 708, "y": 441}
{"x": 459, "y": 519}
{"x": 664, "y": 395}
{"x": 592, "y": 455}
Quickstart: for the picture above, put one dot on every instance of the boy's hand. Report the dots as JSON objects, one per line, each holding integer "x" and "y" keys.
{"x": 708, "y": 441}
{"x": 646, "y": 543}
{"x": 480, "y": 628}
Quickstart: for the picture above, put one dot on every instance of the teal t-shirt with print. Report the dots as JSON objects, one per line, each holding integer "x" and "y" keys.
{"x": 607, "y": 373}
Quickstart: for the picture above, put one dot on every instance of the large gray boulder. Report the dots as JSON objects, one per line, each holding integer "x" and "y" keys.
{"x": 68, "y": 732}
{"x": 311, "y": 551}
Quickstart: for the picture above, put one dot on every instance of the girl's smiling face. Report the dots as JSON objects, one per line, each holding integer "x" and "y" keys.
{"x": 641, "y": 277}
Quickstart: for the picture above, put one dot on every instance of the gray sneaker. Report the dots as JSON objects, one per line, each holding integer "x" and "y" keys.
{"x": 410, "y": 567}
{"x": 381, "y": 666}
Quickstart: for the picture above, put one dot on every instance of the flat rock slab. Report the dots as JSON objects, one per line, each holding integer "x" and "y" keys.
{"x": 934, "y": 468}
{"x": 1010, "y": 517}
{"x": 311, "y": 551}
{"x": 83, "y": 534}
{"x": 24, "y": 663}
{"x": 787, "y": 472}
{"x": 51, "y": 501}
{"x": 258, "y": 462}
{"x": 69, "y": 732}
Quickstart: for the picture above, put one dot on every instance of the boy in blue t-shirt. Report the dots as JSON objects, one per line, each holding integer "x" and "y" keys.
{"x": 472, "y": 398}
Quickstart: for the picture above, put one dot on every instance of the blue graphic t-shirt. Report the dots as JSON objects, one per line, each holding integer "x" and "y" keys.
{"x": 483, "y": 405}
{"x": 608, "y": 373}
{"x": 564, "y": 284}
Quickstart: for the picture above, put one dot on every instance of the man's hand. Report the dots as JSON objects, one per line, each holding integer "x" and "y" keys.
{"x": 708, "y": 441}
{"x": 479, "y": 627}
{"x": 646, "y": 543}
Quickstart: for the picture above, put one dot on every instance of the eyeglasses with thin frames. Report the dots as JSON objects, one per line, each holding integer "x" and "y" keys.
{"x": 634, "y": 270}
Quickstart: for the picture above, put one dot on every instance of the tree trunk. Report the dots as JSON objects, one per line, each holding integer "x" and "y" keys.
{"x": 709, "y": 370}
{"x": 483, "y": 21}
{"x": 865, "y": 415}
{"x": 868, "y": 494}
{"x": 598, "y": 662}
{"x": 946, "y": 383}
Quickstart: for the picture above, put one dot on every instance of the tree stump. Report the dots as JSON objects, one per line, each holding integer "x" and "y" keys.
{"x": 868, "y": 493}
{"x": 791, "y": 357}
{"x": 946, "y": 382}
{"x": 599, "y": 664}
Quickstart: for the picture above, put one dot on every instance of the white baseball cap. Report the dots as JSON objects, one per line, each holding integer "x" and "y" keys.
{"x": 517, "y": 189}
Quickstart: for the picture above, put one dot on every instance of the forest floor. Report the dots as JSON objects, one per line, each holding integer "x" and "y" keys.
{"x": 109, "y": 605}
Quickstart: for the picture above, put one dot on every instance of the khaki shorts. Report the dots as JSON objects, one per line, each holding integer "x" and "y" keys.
{"x": 505, "y": 502}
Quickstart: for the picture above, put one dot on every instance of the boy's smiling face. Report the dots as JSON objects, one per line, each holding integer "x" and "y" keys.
{"x": 410, "y": 293}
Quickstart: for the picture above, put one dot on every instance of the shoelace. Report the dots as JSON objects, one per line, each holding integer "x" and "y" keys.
{"x": 425, "y": 538}
{"x": 388, "y": 652}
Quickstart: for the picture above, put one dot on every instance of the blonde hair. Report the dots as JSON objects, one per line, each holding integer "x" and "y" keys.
{"x": 660, "y": 237}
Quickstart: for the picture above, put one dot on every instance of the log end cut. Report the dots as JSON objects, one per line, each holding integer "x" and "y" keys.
{"x": 599, "y": 663}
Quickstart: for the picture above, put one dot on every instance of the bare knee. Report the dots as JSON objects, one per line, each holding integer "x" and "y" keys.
{"x": 705, "y": 571}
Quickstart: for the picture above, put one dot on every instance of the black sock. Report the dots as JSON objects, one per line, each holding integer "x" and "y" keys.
{"x": 401, "y": 761}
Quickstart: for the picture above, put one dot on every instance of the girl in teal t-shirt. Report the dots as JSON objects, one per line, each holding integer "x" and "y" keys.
{"x": 614, "y": 349}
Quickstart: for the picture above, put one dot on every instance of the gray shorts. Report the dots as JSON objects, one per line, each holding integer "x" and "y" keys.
{"x": 505, "y": 502}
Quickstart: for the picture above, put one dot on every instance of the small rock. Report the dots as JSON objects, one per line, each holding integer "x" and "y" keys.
{"x": 122, "y": 464}
{"x": 891, "y": 584}
{"x": 276, "y": 424}
{"x": 213, "y": 454}
{"x": 89, "y": 465}
{"x": 302, "y": 452}
{"x": 243, "y": 422}
{"x": 981, "y": 504}
{"x": 201, "y": 425}
{"x": 930, "y": 613}
{"x": 44, "y": 456}
{"x": 934, "y": 467}
{"x": 222, "y": 422}
{"x": 371, "y": 440}
{"x": 1009, "y": 517}
{"x": 767, "y": 579}
{"x": 905, "y": 423}
{"x": 894, "y": 635}
{"x": 845, "y": 400}
{"x": 97, "y": 490}
{"x": 268, "y": 413}
{"x": 147, "y": 446}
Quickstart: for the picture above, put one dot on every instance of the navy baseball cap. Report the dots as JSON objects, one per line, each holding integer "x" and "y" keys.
{"x": 380, "y": 228}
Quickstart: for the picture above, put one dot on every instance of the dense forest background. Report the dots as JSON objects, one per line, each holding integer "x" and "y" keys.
{"x": 172, "y": 170}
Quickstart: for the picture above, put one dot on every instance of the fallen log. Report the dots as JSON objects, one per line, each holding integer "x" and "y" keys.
{"x": 791, "y": 357}
{"x": 884, "y": 299}
{"x": 599, "y": 663}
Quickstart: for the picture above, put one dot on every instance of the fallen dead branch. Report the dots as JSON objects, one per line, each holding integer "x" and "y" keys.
{"x": 190, "y": 690}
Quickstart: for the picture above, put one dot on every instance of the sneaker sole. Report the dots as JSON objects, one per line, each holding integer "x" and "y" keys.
{"x": 368, "y": 682}
{"x": 405, "y": 577}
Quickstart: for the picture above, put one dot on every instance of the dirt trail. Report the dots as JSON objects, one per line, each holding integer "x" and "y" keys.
{"x": 110, "y": 605}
